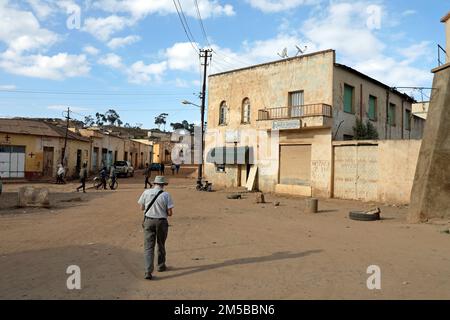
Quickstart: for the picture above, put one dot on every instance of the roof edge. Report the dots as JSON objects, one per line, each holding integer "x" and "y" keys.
{"x": 272, "y": 62}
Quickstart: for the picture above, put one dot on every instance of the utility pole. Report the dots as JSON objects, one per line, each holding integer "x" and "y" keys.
{"x": 204, "y": 54}
{"x": 67, "y": 134}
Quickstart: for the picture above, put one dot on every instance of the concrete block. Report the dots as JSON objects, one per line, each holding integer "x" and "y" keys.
{"x": 33, "y": 197}
{"x": 311, "y": 205}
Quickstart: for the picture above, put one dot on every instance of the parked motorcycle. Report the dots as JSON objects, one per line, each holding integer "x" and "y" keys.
{"x": 207, "y": 186}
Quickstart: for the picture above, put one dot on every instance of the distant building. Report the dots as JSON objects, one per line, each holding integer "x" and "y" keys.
{"x": 32, "y": 149}
{"x": 420, "y": 109}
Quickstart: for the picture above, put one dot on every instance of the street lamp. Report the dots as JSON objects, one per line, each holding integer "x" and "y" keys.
{"x": 190, "y": 103}
{"x": 200, "y": 165}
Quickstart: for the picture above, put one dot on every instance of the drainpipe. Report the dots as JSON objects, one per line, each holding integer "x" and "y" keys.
{"x": 403, "y": 118}
{"x": 387, "y": 115}
{"x": 361, "y": 104}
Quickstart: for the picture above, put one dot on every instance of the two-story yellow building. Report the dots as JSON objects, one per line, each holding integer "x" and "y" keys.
{"x": 283, "y": 117}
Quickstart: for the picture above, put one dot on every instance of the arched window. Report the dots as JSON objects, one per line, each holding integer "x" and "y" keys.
{"x": 246, "y": 111}
{"x": 223, "y": 113}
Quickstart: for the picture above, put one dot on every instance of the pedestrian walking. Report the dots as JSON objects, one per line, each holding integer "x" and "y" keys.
{"x": 83, "y": 177}
{"x": 60, "y": 174}
{"x": 172, "y": 167}
{"x": 113, "y": 176}
{"x": 104, "y": 176}
{"x": 162, "y": 169}
{"x": 157, "y": 206}
{"x": 148, "y": 175}
{"x": 177, "y": 167}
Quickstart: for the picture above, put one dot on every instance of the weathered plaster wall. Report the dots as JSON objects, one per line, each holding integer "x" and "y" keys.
{"x": 431, "y": 190}
{"x": 381, "y": 171}
{"x": 344, "y": 122}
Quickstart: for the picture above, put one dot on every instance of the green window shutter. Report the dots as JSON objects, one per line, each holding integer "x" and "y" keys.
{"x": 372, "y": 108}
{"x": 391, "y": 114}
{"x": 348, "y": 98}
{"x": 408, "y": 120}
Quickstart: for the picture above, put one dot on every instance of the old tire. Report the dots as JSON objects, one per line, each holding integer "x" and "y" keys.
{"x": 361, "y": 216}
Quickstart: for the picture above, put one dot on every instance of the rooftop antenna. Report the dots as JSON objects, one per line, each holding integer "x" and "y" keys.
{"x": 283, "y": 54}
{"x": 300, "y": 51}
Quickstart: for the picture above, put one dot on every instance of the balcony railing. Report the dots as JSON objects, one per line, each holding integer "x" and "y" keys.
{"x": 309, "y": 110}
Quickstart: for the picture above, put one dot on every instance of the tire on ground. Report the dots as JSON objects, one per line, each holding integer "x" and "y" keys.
{"x": 361, "y": 216}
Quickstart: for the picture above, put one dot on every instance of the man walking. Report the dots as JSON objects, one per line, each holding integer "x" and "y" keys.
{"x": 162, "y": 169}
{"x": 157, "y": 206}
{"x": 148, "y": 175}
{"x": 83, "y": 177}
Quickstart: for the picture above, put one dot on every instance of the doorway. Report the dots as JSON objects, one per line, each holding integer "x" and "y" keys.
{"x": 48, "y": 161}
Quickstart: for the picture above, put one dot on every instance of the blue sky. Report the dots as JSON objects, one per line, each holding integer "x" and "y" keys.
{"x": 112, "y": 49}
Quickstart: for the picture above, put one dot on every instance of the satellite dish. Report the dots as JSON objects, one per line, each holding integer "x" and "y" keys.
{"x": 283, "y": 54}
{"x": 300, "y": 51}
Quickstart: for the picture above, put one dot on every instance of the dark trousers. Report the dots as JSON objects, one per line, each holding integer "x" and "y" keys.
{"x": 104, "y": 183}
{"x": 83, "y": 185}
{"x": 147, "y": 182}
{"x": 155, "y": 231}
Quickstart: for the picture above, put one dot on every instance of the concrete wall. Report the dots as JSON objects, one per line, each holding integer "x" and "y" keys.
{"x": 344, "y": 122}
{"x": 381, "y": 171}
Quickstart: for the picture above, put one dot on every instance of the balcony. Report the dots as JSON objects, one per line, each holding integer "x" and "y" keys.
{"x": 308, "y": 116}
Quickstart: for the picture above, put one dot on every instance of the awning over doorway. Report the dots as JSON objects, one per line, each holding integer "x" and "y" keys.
{"x": 230, "y": 155}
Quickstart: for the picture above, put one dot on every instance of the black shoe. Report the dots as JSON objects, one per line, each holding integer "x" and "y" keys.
{"x": 162, "y": 269}
{"x": 148, "y": 276}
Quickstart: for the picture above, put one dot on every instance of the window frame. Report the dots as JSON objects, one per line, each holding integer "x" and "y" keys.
{"x": 246, "y": 114}
{"x": 375, "y": 118}
{"x": 392, "y": 122}
{"x": 352, "y": 111}
{"x": 408, "y": 116}
{"x": 223, "y": 117}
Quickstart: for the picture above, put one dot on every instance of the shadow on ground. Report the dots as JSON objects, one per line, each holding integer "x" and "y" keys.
{"x": 107, "y": 272}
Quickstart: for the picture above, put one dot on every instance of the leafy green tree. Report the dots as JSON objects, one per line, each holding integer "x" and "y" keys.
{"x": 112, "y": 117}
{"x": 88, "y": 121}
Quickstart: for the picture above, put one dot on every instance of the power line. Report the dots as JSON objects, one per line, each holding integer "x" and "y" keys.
{"x": 186, "y": 27}
{"x": 202, "y": 26}
{"x": 90, "y": 93}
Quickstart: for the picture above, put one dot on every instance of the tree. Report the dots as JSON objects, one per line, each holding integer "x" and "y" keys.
{"x": 183, "y": 125}
{"x": 88, "y": 121}
{"x": 363, "y": 131}
{"x": 161, "y": 120}
{"x": 112, "y": 116}
{"x": 101, "y": 119}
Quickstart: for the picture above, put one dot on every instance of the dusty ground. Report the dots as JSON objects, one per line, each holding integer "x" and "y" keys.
{"x": 217, "y": 248}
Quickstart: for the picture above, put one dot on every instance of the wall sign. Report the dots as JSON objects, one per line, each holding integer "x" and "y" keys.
{"x": 287, "y": 124}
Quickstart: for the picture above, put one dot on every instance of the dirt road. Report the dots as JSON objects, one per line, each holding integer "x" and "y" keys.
{"x": 217, "y": 249}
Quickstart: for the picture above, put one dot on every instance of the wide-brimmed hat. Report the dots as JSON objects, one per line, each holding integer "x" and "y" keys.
{"x": 160, "y": 180}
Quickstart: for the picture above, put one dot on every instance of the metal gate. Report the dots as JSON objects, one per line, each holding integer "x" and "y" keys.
{"x": 12, "y": 161}
{"x": 356, "y": 172}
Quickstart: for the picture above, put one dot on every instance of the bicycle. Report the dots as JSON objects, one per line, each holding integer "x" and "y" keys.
{"x": 98, "y": 183}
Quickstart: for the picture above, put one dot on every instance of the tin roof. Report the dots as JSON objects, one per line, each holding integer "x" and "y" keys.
{"x": 36, "y": 128}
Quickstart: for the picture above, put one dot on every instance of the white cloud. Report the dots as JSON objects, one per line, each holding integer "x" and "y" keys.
{"x": 269, "y": 6}
{"x": 93, "y": 51}
{"x": 42, "y": 8}
{"x": 104, "y": 28}
{"x": 56, "y": 67}
{"x": 142, "y": 8}
{"x": 140, "y": 73}
{"x": 121, "y": 42}
{"x": 182, "y": 57}
{"x": 21, "y": 31}
{"x": 26, "y": 42}
{"x": 111, "y": 60}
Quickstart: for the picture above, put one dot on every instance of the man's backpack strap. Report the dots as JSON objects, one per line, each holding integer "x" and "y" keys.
{"x": 153, "y": 201}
